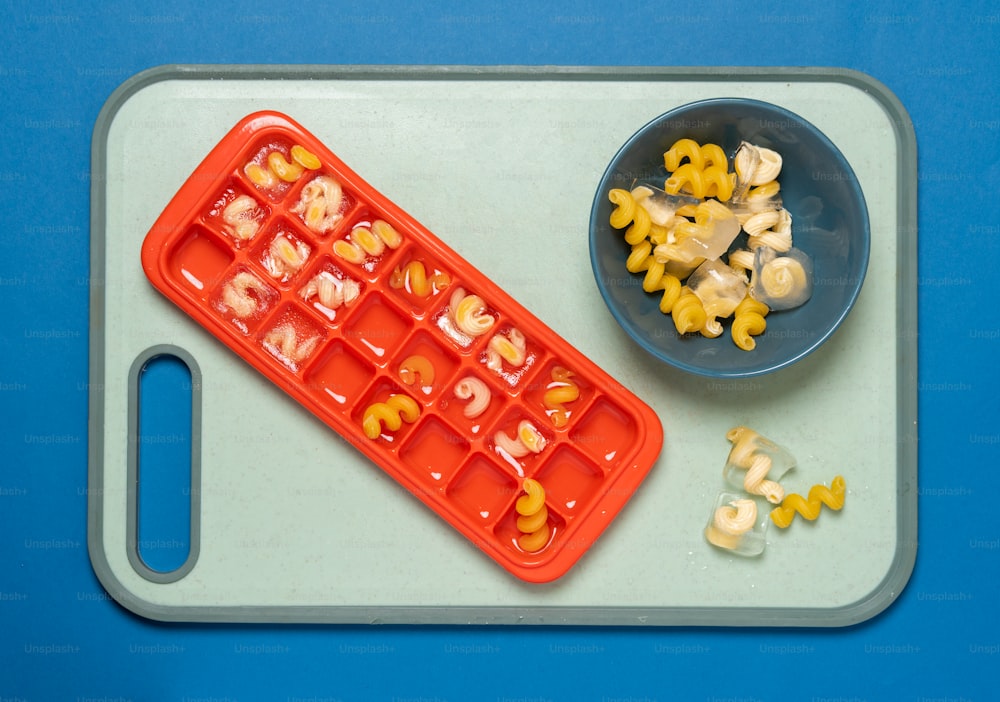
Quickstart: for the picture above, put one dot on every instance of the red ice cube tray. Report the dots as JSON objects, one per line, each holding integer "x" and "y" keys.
{"x": 226, "y": 268}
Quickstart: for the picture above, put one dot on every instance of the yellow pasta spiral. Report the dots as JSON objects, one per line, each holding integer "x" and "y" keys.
{"x": 559, "y": 393}
{"x": 416, "y": 368}
{"x": 279, "y": 167}
{"x": 625, "y": 207}
{"x": 391, "y": 413}
{"x": 368, "y": 241}
{"x": 706, "y": 173}
{"x": 658, "y": 234}
{"x": 748, "y": 322}
{"x": 698, "y": 155}
{"x": 809, "y": 507}
{"x": 629, "y": 212}
{"x": 713, "y": 181}
{"x": 413, "y": 277}
{"x": 688, "y": 210}
{"x": 287, "y": 171}
{"x": 638, "y": 259}
{"x": 656, "y": 278}
{"x": 688, "y": 312}
{"x": 533, "y": 516}
{"x": 641, "y": 226}
{"x": 305, "y": 158}
{"x": 260, "y": 176}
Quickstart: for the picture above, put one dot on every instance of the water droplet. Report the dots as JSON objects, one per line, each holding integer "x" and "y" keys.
{"x": 192, "y": 279}
{"x": 339, "y": 398}
{"x": 377, "y": 350}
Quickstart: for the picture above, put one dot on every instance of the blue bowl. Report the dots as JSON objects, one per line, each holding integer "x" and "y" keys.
{"x": 829, "y": 223}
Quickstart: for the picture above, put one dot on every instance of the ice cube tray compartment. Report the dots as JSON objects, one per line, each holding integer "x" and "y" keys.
{"x": 346, "y": 306}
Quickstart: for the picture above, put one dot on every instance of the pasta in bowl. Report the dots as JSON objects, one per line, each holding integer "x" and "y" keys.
{"x": 729, "y": 237}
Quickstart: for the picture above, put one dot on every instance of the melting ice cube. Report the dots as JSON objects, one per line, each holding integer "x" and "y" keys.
{"x": 781, "y": 280}
{"x": 719, "y": 287}
{"x": 661, "y": 205}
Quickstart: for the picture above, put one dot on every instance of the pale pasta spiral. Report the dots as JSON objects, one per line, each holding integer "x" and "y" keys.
{"x": 321, "y": 204}
{"x": 731, "y": 522}
{"x": 238, "y": 218}
{"x": 330, "y": 291}
{"x": 468, "y": 313}
{"x": 476, "y": 391}
{"x": 244, "y": 294}
{"x": 286, "y": 256}
{"x": 284, "y": 341}
{"x": 746, "y": 454}
{"x": 527, "y": 440}
{"x": 511, "y": 348}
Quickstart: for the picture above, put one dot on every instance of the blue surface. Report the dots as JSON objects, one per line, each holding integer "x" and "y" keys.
{"x": 163, "y": 520}
{"x": 62, "y": 638}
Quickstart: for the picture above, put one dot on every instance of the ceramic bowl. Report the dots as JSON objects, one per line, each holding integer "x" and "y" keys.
{"x": 829, "y": 223}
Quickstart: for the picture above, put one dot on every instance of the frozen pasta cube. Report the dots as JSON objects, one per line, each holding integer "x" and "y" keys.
{"x": 762, "y": 198}
{"x": 697, "y": 242}
{"x": 781, "y": 281}
{"x": 708, "y": 237}
{"x": 719, "y": 287}
{"x": 736, "y": 524}
{"x": 661, "y": 205}
{"x": 755, "y": 464}
{"x": 722, "y": 232}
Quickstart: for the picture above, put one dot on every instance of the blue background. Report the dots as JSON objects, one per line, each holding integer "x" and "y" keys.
{"x": 62, "y": 638}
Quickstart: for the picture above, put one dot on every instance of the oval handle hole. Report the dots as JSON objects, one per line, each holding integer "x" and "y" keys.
{"x": 163, "y": 463}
